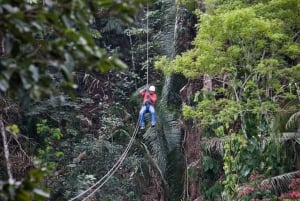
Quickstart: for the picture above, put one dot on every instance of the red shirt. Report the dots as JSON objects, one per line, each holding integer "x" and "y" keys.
{"x": 149, "y": 96}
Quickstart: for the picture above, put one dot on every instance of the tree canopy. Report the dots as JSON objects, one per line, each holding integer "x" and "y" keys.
{"x": 227, "y": 114}
{"x": 251, "y": 52}
{"x": 39, "y": 38}
{"x": 42, "y": 44}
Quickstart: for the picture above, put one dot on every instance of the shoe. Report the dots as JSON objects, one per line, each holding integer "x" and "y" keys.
{"x": 152, "y": 126}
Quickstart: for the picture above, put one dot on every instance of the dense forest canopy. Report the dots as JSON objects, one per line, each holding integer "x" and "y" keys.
{"x": 41, "y": 37}
{"x": 227, "y": 73}
{"x": 43, "y": 44}
{"x": 250, "y": 53}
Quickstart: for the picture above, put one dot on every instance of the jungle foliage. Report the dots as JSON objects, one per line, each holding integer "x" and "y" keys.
{"x": 64, "y": 135}
{"x": 42, "y": 44}
{"x": 70, "y": 73}
{"x": 39, "y": 38}
{"x": 251, "y": 52}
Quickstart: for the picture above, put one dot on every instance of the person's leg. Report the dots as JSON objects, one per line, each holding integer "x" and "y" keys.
{"x": 153, "y": 115}
{"x": 142, "y": 116}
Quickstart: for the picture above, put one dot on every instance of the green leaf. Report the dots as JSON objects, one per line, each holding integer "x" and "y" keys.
{"x": 41, "y": 192}
{"x": 72, "y": 165}
{"x": 3, "y": 85}
{"x": 35, "y": 72}
{"x": 208, "y": 163}
{"x": 245, "y": 171}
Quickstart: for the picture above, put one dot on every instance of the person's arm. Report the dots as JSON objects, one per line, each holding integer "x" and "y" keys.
{"x": 142, "y": 92}
{"x": 156, "y": 97}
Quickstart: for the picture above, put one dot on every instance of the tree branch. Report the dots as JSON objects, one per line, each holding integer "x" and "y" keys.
{"x": 155, "y": 165}
{"x": 6, "y": 150}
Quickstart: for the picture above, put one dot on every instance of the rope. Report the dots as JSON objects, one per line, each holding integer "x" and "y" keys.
{"x": 132, "y": 56}
{"x": 107, "y": 176}
{"x": 147, "y": 45}
{"x": 117, "y": 166}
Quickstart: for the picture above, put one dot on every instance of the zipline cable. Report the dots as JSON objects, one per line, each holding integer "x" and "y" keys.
{"x": 111, "y": 171}
{"x": 147, "y": 29}
{"x": 116, "y": 168}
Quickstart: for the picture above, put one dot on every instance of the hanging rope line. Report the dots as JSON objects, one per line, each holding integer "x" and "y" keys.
{"x": 147, "y": 29}
{"x": 129, "y": 33}
{"x": 107, "y": 176}
{"x": 116, "y": 166}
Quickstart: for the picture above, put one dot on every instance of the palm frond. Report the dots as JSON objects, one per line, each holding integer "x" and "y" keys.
{"x": 166, "y": 36}
{"x": 214, "y": 145}
{"x": 293, "y": 120}
{"x": 153, "y": 162}
{"x": 172, "y": 130}
{"x": 280, "y": 183}
{"x": 173, "y": 136}
{"x": 165, "y": 146}
{"x": 174, "y": 173}
{"x": 157, "y": 147}
{"x": 289, "y": 136}
{"x": 289, "y": 142}
{"x": 170, "y": 94}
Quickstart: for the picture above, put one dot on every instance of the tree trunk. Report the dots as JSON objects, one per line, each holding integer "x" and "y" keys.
{"x": 193, "y": 159}
{"x": 184, "y": 34}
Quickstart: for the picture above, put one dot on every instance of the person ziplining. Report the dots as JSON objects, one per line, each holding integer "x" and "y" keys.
{"x": 148, "y": 94}
{"x": 149, "y": 98}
